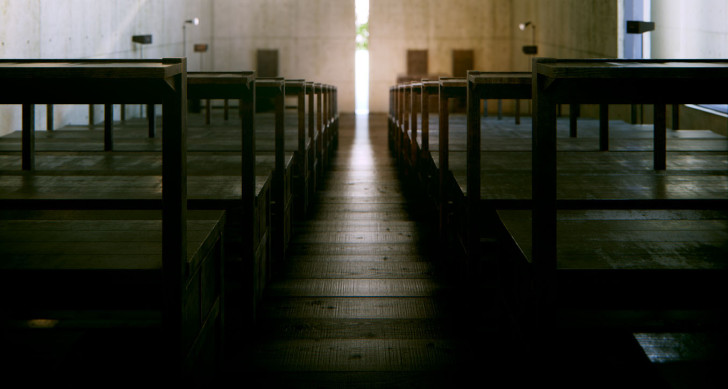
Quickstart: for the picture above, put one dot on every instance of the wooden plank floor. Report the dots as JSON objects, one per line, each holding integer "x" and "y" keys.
{"x": 362, "y": 301}
{"x": 358, "y": 303}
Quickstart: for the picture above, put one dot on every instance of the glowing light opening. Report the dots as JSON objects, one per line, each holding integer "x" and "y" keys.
{"x": 361, "y": 61}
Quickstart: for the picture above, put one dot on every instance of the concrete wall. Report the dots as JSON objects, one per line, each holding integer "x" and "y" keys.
{"x": 566, "y": 29}
{"x": 569, "y": 29}
{"x": 484, "y": 26}
{"x": 93, "y": 29}
{"x": 315, "y": 39}
{"x": 692, "y": 29}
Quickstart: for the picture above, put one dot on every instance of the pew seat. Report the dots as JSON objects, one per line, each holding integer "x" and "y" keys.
{"x": 84, "y": 296}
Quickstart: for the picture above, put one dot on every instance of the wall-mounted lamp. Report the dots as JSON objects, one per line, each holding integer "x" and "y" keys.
{"x": 523, "y": 26}
{"x": 639, "y": 27}
{"x": 194, "y": 22}
{"x": 531, "y": 49}
{"x": 142, "y": 39}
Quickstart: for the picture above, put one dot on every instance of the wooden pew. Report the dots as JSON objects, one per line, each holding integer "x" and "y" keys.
{"x": 311, "y": 137}
{"x": 398, "y": 123}
{"x": 282, "y": 197}
{"x": 564, "y": 286}
{"x": 391, "y": 117}
{"x": 301, "y": 175}
{"x": 251, "y": 260}
{"x": 201, "y": 140}
{"x": 498, "y": 192}
{"x": 626, "y": 140}
{"x": 523, "y": 200}
{"x": 448, "y": 88}
{"x": 328, "y": 123}
{"x": 187, "y": 281}
{"x": 480, "y": 86}
{"x": 320, "y": 130}
{"x": 130, "y": 179}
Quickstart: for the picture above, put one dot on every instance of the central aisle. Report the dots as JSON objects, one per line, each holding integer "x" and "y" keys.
{"x": 358, "y": 303}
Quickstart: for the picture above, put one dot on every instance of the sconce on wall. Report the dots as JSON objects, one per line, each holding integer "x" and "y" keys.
{"x": 194, "y": 22}
{"x": 142, "y": 39}
{"x": 532, "y": 48}
{"x": 639, "y": 27}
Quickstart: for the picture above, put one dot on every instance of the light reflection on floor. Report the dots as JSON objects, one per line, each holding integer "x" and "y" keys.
{"x": 674, "y": 347}
{"x": 362, "y": 156}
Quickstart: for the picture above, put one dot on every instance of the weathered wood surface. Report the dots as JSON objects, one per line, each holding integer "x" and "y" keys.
{"x": 131, "y": 135}
{"x": 372, "y": 312}
{"x": 141, "y": 82}
{"x": 91, "y": 300}
{"x": 602, "y": 264}
{"x": 632, "y": 239}
{"x": 650, "y": 270}
{"x": 504, "y": 135}
{"x": 358, "y": 292}
{"x": 696, "y": 162}
{"x": 207, "y": 144}
{"x": 116, "y": 188}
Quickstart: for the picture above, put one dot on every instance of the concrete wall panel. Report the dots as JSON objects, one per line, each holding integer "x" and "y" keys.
{"x": 95, "y": 29}
{"x": 314, "y": 38}
{"x": 483, "y": 26}
{"x": 692, "y": 29}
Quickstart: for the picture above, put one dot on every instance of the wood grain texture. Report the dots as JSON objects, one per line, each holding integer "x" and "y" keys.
{"x": 359, "y": 293}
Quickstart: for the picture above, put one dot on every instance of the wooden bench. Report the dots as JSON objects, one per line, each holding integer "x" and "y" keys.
{"x": 191, "y": 326}
{"x": 504, "y": 168}
{"x": 301, "y": 175}
{"x": 326, "y": 125}
{"x": 217, "y": 179}
{"x": 282, "y": 197}
{"x": 253, "y": 261}
{"x": 563, "y": 284}
{"x": 96, "y": 276}
{"x": 480, "y": 86}
{"x": 311, "y": 137}
{"x": 213, "y": 151}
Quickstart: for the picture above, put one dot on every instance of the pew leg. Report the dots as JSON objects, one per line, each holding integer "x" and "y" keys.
{"x": 49, "y": 117}
{"x": 28, "y": 137}
{"x": 151, "y": 121}
{"x": 573, "y": 115}
{"x": 675, "y": 117}
{"x": 660, "y": 137}
{"x": 108, "y": 127}
{"x": 604, "y": 127}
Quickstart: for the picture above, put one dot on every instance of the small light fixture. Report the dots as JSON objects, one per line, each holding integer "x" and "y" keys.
{"x": 639, "y": 27}
{"x": 194, "y": 22}
{"x": 529, "y": 49}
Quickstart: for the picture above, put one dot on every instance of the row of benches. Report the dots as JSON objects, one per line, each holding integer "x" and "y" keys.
{"x": 84, "y": 241}
{"x": 565, "y": 226}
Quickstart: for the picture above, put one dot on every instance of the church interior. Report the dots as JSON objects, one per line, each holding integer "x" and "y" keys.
{"x": 364, "y": 193}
